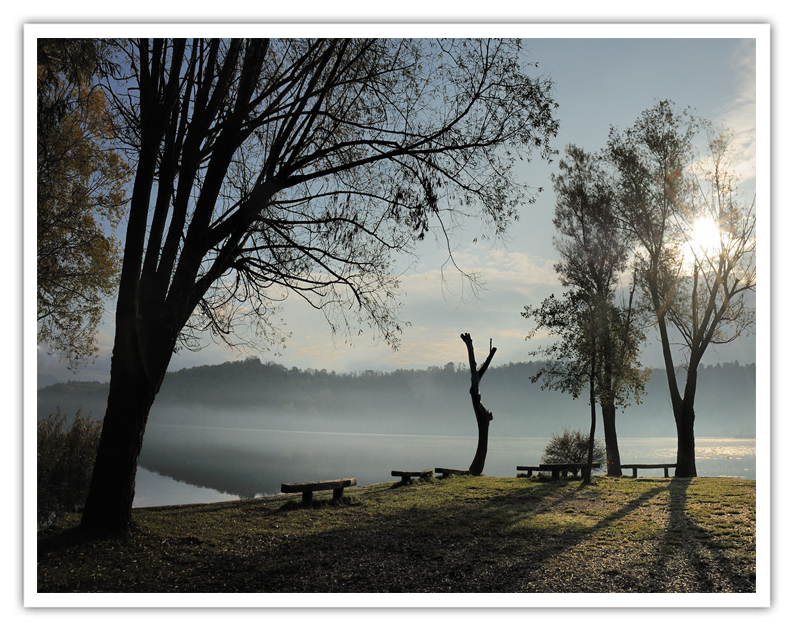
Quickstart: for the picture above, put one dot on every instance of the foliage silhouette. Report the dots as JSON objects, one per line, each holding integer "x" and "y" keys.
{"x": 266, "y": 168}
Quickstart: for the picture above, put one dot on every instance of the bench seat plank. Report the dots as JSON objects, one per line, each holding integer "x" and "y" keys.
{"x": 647, "y": 466}
{"x": 447, "y": 472}
{"x": 557, "y": 467}
{"x": 634, "y": 467}
{"x": 323, "y": 485}
{"x": 407, "y": 475}
{"x": 307, "y": 488}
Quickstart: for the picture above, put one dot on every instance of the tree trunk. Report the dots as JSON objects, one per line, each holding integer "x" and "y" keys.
{"x": 685, "y": 421}
{"x": 484, "y": 417}
{"x": 685, "y": 424}
{"x": 109, "y": 503}
{"x": 138, "y": 366}
{"x": 586, "y": 472}
{"x": 683, "y": 407}
{"x": 611, "y": 440}
{"x": 483, "y": 425}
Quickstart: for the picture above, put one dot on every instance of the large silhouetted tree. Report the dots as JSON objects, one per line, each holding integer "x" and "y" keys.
{"x": 268, "y": 167}
{"x": 696, "y": 285}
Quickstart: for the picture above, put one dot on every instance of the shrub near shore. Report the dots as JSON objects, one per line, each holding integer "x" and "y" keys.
{"x": 65, "y": 453}
{"x": 463, "y": 534}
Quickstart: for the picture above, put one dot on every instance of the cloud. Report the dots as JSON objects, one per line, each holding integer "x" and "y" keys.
{"x": 502, "y": 270}
{"x": 439, "y": 305}
{"x": 439, "y": 315}
{"x": 740, "y": 113}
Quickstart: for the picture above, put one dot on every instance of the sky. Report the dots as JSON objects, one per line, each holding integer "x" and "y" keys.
{"x": 598, "y": 82}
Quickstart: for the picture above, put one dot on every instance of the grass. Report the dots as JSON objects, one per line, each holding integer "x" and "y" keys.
{"x": 462, "y": 534}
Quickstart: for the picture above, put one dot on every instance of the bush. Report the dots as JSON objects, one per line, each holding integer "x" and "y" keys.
{"x": 572, "y": 446}
{"x": 65, "y": 460}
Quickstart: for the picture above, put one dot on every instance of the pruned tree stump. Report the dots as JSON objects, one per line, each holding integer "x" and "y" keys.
{"x": 484, "y": 417}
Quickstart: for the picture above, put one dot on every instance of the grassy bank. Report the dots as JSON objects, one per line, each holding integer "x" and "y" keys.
{"x": 463, "y": 534}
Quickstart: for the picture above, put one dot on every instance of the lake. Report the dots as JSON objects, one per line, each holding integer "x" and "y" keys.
{"x": 186, "y": 465}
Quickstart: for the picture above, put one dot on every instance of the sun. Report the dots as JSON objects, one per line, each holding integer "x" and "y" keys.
{"x": 705, "y": 241}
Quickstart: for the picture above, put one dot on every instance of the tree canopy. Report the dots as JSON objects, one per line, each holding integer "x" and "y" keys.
{"x": 587, "y": 322}
{"x": 80, "y": 196}
{"x": 302, "y": 166}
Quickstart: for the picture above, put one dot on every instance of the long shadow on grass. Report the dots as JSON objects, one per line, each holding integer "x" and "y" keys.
{"x": 432, "y": 538}
{"x": 700, "y": 549}
{"x": 705, "y": 561}
{"x": 456, "y": 545}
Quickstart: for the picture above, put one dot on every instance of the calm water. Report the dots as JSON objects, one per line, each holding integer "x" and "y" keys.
{"x": 197, "y": 465}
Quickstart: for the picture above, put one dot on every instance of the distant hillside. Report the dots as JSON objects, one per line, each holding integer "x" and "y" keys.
{"x": 250, "y": 394}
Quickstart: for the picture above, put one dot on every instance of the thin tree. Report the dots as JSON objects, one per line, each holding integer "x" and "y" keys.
{"x": 266, "y": 168}
{"x": 696, "y": 280}
{"x": 601, "y": 340}
{"x": 571, "y": 361}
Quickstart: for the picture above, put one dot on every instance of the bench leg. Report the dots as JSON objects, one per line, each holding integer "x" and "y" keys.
{"x": 555, "y": 475}
{"x": 406, "y": 478}
{"x": 338, "y": 493}
{"x": 634, "y": 472}
{"x": 665, "y": 473}
{"x": 307, "y": 497}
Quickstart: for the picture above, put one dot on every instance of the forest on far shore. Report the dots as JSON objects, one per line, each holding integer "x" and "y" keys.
{"x": 433, "y": 401}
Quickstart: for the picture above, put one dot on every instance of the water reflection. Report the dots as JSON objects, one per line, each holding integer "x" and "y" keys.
{"x": 181, "y": 465}
{"x": 153, "y": 489}
{"x": 246, "y": 463}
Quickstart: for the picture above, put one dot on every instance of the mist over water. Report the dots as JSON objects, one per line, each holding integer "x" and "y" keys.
{"x": 199, "y": 464}
{"x": 241, "y": 429}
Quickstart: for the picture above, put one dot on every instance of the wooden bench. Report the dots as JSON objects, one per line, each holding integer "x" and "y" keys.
{"x": 445, "y": 473}
{"x": 407, "y": 475}
{"x": 634, "y": 468}
{"x": 307, "y": 488}
{"x": 557, "y": 468}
